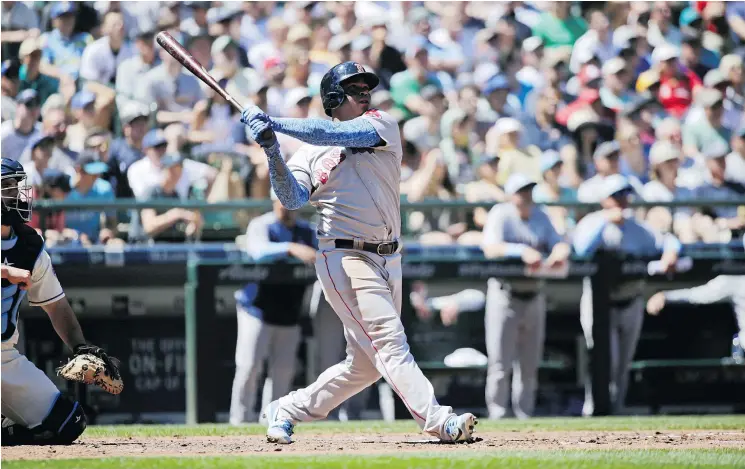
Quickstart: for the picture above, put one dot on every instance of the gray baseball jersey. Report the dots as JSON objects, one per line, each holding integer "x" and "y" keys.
{"x": 722, "y": 288}
{"x": 504, "y": 225}
{"x": 356, "y": 190}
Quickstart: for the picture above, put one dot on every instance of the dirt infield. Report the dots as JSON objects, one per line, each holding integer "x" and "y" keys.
{"x": 377, "y": 443}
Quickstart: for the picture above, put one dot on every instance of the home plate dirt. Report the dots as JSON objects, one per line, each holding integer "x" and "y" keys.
{"x": 377, "y": 443}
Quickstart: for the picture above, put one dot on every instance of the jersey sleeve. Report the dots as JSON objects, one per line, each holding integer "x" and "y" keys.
{"x": 299, "y": 166}
{"x": 494, "y": 227}
{"x": 386, "y": 126}
{"x": 45, "y": 287}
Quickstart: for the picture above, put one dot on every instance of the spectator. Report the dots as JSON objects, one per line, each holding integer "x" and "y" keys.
{"x": 40, "y": 150}
{"x": 614, "y": 93}
{"x": 677, "y": 85}
{"x": 732, "y": 68}
{"x": 694, "y": 57}
{"x": 504, "y": 140}
{"x": 132, "y": 70}
{"x": 606, "y": 158}
{"x": 54, "y": 125}
{"x": 424, "y": 131}
{"x": 450, "y": 50}
{"x": 62, "y": 48}
{"x": 227, "y": 22}
{"x": 9, "y": 89}
{"x": 736, "y": 20}
{"x": 459, "y": 147}
{"x": 19, "y": 22}
{"x": 297, "y": 73}
{"x": 733, "y": 110}
{"x": 542, "y": 129}
{"x": 406, "y": 85}
{"x": 297, "y": 105}
{"x": 661, "y": 30}
{"x": 16, "y": 134}
{"x": 197, "y": 24}
{"x": 597, "y": 42}
{"x": 103, "y": 56}
{"x": 633, "y": 162}
{"x": 29, "y": 73}
{"x": 239, "y": 81}
{"x": 94, "y": 226}
{"x": 557, "y": 27}
{"x": 703, "y": 130}
{"x": 129, "y": 148}
{"x": 551, "y": 190}
{"x": 272, "y": 47}
{"x": 529, "y": 77}
{"x": 55, "y": 185}
{"x": 727, "y": 221}
{"x": 385, "y": 59}
{"x": 663, "y": 187}
{"x": 172, "y": 89}
{"x": 83, "y": 106}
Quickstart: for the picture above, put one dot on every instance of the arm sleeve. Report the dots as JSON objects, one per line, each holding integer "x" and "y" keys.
{"x": 664, "y": 242}
{"x": 290, "y": 192}
{"x": 357, "y": 133}
{"x": 258, "y": 245}
{"x": 589, "y": 235}
{"x": 718, "y": 289}
{"x": 45, "y": 286}
{"x": 494, "y": 233}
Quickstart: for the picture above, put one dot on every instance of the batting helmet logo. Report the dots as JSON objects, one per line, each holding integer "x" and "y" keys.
{"x": 360, "y": 68}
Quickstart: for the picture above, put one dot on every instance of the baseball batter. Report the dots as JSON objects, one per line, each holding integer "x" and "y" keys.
{"x": 350, "y": 171}
{"x": 615, "y": 228}
{"x": 34, "y": 411}
{"x": 516, "y": 310}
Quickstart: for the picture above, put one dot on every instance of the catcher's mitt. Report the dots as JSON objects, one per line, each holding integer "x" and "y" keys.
{"x": 91, "y": 365}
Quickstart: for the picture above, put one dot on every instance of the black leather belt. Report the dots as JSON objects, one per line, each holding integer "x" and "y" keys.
{"x": 381, "y": 249}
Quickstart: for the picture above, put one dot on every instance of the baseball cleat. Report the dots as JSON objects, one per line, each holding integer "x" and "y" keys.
{"x": 278, "y": 430}
{"x": 460, "y": 428}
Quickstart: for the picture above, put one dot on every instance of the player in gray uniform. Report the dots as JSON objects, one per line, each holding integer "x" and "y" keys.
{"x": 615, "y": 228}
{"x": 516, "y": 309}
{"x": 351, "y": 172}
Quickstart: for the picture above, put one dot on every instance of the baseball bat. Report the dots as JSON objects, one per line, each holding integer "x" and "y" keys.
{"x": 179, "y": 52}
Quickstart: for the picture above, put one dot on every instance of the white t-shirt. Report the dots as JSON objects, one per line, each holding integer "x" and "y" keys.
{"x": 143, "y": 176}
{"x": 99, "y": 63}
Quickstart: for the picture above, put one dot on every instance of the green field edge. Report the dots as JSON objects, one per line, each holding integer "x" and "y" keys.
{"x": 523, "y": 459}
{"x": 708, "y": 422}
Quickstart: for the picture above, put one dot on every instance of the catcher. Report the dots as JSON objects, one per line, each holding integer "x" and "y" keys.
{"x": 33, "y": 409}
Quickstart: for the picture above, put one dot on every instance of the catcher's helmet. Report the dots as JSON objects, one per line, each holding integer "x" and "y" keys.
{"x": 15, "y": 193}
{"x": 332, "y": 94}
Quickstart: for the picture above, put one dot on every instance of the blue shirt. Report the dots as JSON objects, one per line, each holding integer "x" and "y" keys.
{"x": 64, "y": 52}
{"x": 88, "y": 221}
{"x": 121, "y": 157}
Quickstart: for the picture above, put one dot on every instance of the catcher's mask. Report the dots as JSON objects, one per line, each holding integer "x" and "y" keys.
{"x": 15, "y": 193}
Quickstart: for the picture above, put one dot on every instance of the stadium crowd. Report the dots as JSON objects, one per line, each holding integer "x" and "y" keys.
{"x": 566, "y": 93}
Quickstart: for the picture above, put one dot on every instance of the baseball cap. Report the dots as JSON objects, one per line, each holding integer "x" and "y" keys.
{"x": 623, "y": 35}
{"x": 708, "y": 97}
{"x": 642, "y": 101}
{"x": 295, "y": 96}
{"x": 91, "y": 162}
{"x": 517, "y": 182}
{"x": 614, "y": 184}
{"x": 661, "y": 152}
{"x": 606, "y": 149}
{"x": 61, "y": 8}
{"x": 362, "y": 42}
{"x": 154, "y": 138}
{"x": 589, "y": 75}
{"x": 549, "y": 159}
{"x": 664, "y": 52}
{"x": 132, "y": 110}
{"x": 28, "y": 97}
{"x": 532, "y": 44}
{"x": 483, "y": 72}
{"x": 613, "y": 66}
{"x": 222, "y": 43}
{"x": 716, "y": 150}
{"x": 497, "y": 82}
{"x": 340, "y": 41}
{"x": 506, "y": 125}
{"x": 29, "y": 46}
{"x": 729, "y": 62}
{"x": 171, "y": 159}
{"x": 56, "y": 179}
{"x": 714, "y": 78}
{"x": 82, "y": 99}
{"x": 430, "y": 92}
{"x": 299, "y": 32}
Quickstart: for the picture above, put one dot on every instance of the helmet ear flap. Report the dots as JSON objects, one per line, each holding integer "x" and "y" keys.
{"x": 334, "y": 98}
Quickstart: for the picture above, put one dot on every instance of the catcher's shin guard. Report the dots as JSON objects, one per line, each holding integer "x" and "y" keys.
{"x": 64, "y": 424}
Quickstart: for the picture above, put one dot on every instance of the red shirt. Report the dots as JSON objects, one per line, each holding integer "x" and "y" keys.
{"x": 676, "y": 92}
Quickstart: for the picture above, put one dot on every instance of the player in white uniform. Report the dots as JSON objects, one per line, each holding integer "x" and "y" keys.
{"x": 33, "y": 409}
{"x": 350, "y": 172}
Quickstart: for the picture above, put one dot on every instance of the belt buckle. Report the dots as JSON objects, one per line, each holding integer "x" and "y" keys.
{"x": 387, "y": 252}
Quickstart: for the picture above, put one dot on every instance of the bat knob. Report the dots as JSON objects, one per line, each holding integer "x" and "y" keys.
{"x": 267, "y": 134}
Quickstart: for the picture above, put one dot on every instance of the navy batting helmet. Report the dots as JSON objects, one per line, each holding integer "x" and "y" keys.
{"x": 332, "y": 93}
{"x": 15, "y": 193}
